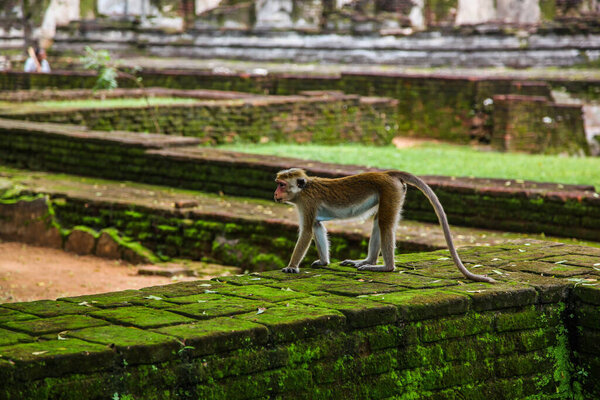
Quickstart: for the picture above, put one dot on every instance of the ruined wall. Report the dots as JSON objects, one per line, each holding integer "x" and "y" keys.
{"x": 533, "y": 124}
{"x": 457, "y": 109}
{"x": 329, "y": 333}
{"x": 318, "y": 119}
{"x": 572, "y": 211}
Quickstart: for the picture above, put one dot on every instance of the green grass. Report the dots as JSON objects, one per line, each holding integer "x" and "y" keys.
{"x": 97, "y": 103}
{"x": 444, "y": 159}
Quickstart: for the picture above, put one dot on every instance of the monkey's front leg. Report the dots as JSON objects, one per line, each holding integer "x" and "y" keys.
{"x": 374, "y": 247}
{"x": 320, "y": 236}
{"x": 299, "y": 250}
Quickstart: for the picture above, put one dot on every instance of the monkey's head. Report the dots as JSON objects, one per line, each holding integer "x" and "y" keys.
{"x": 290, "y": 183}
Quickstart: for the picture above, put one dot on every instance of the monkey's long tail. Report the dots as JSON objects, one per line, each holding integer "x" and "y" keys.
{"x": 437, "y": 206}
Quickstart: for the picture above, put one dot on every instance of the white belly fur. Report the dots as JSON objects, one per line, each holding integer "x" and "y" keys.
{"x": 365, "y": 208}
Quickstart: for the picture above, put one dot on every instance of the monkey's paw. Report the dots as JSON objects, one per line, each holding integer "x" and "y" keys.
{"x": 354, "y": 263}
{"x": 376, "y": 268}
{"x": 291, "y": 270}
{"x": 319, "y": 263}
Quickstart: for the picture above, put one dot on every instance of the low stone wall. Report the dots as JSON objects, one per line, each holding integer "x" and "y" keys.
{"x": 326, "y": 333}
{"x": 444, "y": 107}
{"x": 535, "y": 125}
{"x": 563, "y": 210}
{"x": 317, "y": 118}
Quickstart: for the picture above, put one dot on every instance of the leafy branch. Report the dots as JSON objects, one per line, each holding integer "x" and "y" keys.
{"x": 109, "y": 71}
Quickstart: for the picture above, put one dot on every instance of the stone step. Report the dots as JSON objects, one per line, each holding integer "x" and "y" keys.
{"x": 249, "y": 233}
{"x": 421, "y": 329}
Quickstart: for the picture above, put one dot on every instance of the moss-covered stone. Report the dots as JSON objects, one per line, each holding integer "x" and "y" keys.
{"x": 359, "y": 313}
{"x": 222, "y": 306}
{"x": 182, "y": 289}
{"x": 42, "y": 326}
{"x": 452, "y": 327}
{"x": 137, "y": 346}
{"x": 267, "y": 294}
{"x": 217, "y": 335}
{"x": 141, "y": 317}
{"x": 10, "y": 337}
{"x": 296, "y": 321}
{"x": 106, "y": 300}
{"x": 7, "y": 315}
{"x": 485, "y": 296}
{"x": 57, "y": 357}
{"x": 50, "y": 308}
{"x": 587, "y": 292}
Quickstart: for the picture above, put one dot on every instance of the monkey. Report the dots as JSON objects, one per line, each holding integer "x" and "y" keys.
{"x": 380, "y": 194}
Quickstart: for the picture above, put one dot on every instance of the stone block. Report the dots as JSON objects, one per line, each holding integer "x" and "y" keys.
{"x": 80, "y": 241}
{"x": 107, "y": 247}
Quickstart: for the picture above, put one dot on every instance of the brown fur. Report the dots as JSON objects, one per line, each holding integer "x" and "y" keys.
{"x": 311, "y": 194}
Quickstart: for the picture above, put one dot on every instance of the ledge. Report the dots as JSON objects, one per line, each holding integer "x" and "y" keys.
{"x": 272, "y": 332}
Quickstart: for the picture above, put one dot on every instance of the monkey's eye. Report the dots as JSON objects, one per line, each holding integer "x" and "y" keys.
{"x": 281, "y": 185}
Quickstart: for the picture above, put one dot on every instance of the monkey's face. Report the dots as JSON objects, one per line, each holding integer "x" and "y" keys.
{"x": 287, "y": 190}
{"x": 282, "y": 192}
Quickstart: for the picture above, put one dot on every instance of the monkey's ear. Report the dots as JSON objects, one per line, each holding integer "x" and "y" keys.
{"x": 301, "y": 182}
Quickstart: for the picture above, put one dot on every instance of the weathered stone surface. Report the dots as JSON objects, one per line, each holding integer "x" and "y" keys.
{"x": 296, "y": 321}
{"x": 485, "y": 296}
{"x": 359, "y": 313}
{"x": 217, "y": 335}
{"x": 57, "y": 357}
{"x": 219, "y": 307}
{"x": 107, "y": 247}
{"x": 247, "y": 336}
{"x": 137, "y": 346}
{"x": 42, "y": 326}
{"x": 80, "y": 242}
{"x": 141, "y": 317}
{"x": 29, "y": 221}
{"x": 415, "y": 305}
{"x": 10, "y": 337}
{"x": 106, "y": 300}
{"x": 50, "y": 308}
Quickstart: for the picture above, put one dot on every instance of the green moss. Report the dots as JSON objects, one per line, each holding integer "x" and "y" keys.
{"x": 141, "y": 317}
{"x": 296, "y": 321}
{"x": 217, "y": 335}
{"x": 137, "y": 346}
{"x": 41, "y": 326}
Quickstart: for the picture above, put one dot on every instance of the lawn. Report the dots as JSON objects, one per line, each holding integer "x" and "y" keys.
{"x": 444, "y": 159}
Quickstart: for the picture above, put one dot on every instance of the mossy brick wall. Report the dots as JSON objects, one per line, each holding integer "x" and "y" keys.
{"x": 533, "y": 124}
{"x": 571, "y": 211}
{"x": 585, "y": 322}
{"x": 438, "y": 106}
{"x": 298, "y": 119}
{"x": 250, "y": 243}
{"x": 326, "y": 333}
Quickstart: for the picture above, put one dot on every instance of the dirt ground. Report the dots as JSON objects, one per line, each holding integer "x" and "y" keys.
{"x": 34, "y": 273}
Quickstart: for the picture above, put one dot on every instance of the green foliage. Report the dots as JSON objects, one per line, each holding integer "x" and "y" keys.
{"x": 101, "y": 62}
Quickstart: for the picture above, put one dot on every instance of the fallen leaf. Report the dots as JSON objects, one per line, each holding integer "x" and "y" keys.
{"x": 561, "y": 262}
{"x": 39, "y": 353}
{"x": 261, "y": 310}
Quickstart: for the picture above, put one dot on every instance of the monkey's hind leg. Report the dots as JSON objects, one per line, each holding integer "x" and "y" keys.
{"x": 387, "y": 230}
{"x": 374, "y": 248}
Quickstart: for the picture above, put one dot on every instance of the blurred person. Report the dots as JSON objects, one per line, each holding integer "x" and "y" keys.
{"x": 37, "y": 61}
